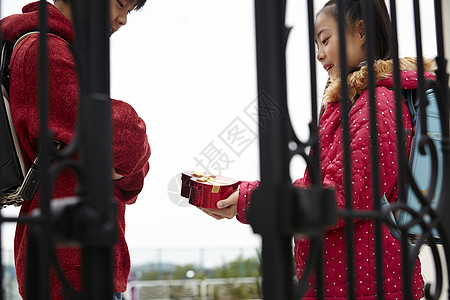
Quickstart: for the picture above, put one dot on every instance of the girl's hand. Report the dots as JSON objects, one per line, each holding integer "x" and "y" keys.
{"x": 226, "y": 208}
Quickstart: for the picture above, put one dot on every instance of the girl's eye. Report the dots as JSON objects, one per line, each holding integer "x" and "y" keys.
{"x": 325, "y": 41}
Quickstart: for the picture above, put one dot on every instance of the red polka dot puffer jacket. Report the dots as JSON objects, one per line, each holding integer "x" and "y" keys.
{"x": 332, "y": 173}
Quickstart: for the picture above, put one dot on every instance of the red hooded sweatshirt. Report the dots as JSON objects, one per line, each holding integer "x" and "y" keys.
{"x": 131, "y": 150}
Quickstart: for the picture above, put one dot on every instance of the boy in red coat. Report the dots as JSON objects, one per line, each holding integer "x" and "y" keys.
{"x": 129, "y": 130}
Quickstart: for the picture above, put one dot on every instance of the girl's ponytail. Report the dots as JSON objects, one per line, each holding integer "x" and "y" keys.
{"x": 382, "y": 30}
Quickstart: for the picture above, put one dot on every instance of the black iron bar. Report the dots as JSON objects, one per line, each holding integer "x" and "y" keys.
{"x": 24, "y": 219}
{"x": 420, "y": 68}
{"x": 314, "y": 132}
{"x": 355, "y": 215}
{"x": 314, "y": 165}
{"x": 443, "y": 97}
{"x": 265, "y": 211}
{"x": 1, "y": 261}
{"x": 96, "y": 153}
{"x": 1, "y": 217}
{"x": 368, "y": 11}
{"x": 401, "y": 149}
{"x": 345, "y": 108}
{"x": 39, "y": 240}
{"x": 97, "y": 119}
{"x": 272, "y": 81}
{"x": 440, "y": 60}
{"x": 407, "y": 262}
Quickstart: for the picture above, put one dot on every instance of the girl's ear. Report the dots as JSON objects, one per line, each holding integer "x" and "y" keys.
{"x": 361, "y": 29}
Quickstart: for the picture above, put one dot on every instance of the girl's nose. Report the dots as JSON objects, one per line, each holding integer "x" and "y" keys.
{"x": 320, "y": 55}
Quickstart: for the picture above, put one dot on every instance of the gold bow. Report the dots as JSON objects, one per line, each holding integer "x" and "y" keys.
{"x": 208, "y": 178}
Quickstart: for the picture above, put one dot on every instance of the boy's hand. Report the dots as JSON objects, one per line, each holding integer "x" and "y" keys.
{"x": 226, "y": 208}
{"x": 116, "y": 176}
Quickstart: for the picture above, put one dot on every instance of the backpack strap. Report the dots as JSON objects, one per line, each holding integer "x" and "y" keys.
{"x": 413, "y": 105}
{"x": 419, "y": 163}
{"x": 5, "y": 58}
{"x": 395, "y": 232}
{"x": 27, "y": 190}
{"x": 23, "y": 37}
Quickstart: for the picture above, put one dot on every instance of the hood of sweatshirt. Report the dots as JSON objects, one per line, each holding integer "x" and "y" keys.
{"x": 16, "y": 25}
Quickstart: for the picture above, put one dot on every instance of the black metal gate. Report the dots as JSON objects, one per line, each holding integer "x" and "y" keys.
{"x": 89, "y": 221}
{"x": 279, "y": 211}
{"x": 278, "y": 145}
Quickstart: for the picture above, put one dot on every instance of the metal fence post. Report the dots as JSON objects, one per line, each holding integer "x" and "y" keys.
{"x": 446, "y": 12}
{"x": 96, "y": 153}
{"x": 265, "y": 213}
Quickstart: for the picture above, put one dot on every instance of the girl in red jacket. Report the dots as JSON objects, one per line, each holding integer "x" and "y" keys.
{"x": 331, "y": 155}
{"x": 129, "y": 130}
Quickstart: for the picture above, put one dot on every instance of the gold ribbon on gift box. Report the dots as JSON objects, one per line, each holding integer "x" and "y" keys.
{"x": 208, "y": 178}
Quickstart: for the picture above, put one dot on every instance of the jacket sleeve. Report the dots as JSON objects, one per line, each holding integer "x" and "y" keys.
{"x": 131, "y": 150}
{"x": 245, "y": 191}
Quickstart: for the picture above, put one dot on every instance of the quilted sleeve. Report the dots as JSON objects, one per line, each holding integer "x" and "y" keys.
{"x": 245, "y": 190}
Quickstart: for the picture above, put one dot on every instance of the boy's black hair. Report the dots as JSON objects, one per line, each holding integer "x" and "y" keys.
{"x": 354, "y": 13}
{"x": 139, "y": 3}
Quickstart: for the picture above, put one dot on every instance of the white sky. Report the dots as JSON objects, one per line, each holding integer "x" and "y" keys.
{"x": 189, "y": 69}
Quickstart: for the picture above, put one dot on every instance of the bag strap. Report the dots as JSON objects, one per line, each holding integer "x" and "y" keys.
{"x": 395, "y": 232}
{"x": 27, "y": 190}
{"x": 5, "y": 59}
{"x": 385, "y": 205}
{"x": 23, "y": 37}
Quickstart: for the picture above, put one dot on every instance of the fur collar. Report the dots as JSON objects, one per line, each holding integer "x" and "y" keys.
{"x": 357, "y": 80}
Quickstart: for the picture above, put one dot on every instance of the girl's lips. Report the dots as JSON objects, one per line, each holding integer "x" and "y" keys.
{"x": 328, "y": 68}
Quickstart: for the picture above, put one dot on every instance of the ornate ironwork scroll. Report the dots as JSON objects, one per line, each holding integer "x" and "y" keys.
{"x": 278, "y": 211}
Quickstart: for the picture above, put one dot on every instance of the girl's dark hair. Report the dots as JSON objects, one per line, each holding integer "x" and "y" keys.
{"x": 139, "y": 3}
{"x": 354, "y": 13}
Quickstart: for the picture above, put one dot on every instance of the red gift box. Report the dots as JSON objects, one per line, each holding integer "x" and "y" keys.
{"x": 204, "y": 190}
